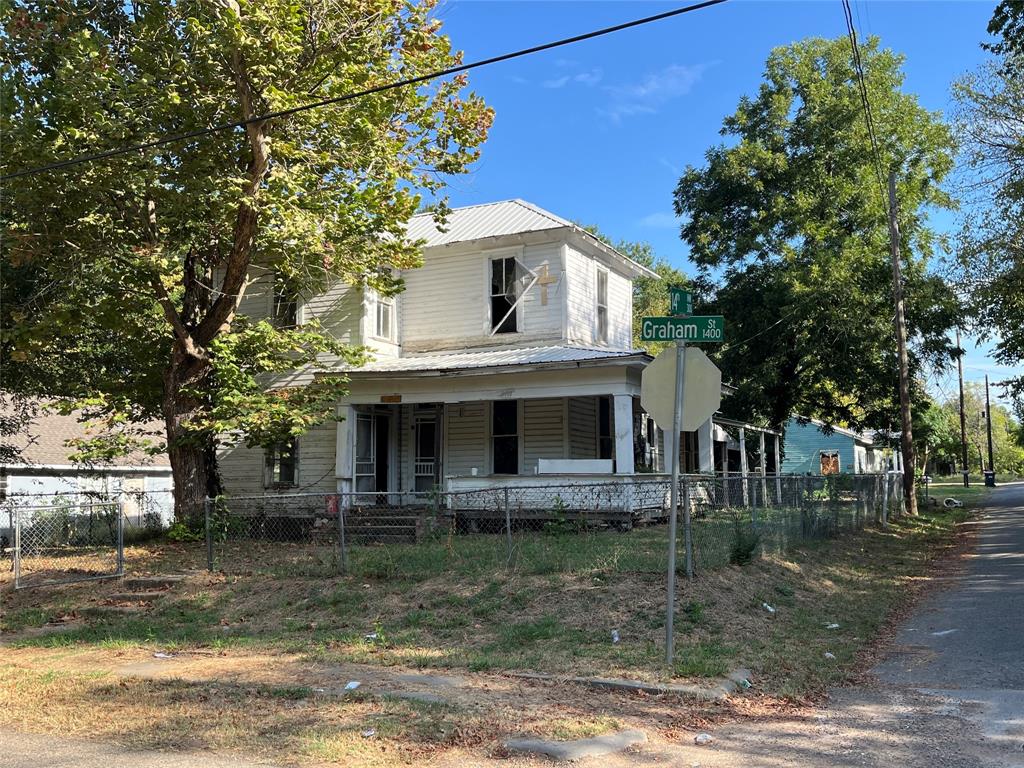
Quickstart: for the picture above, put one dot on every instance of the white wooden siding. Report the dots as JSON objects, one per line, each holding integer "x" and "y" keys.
{"x": 466, "y": 438}
{"x": 620, "y": 311}
{"x": 543, "y": 432}
{"x": 446, "y": 302}
{"x": 242, "y": 468}
{"x": 582, "y": 427}
{"x": 579, "y": 276}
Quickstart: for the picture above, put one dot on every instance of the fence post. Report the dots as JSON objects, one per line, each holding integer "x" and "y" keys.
{"x": 687, "y": 530}
{"x": 885, "y": 501}
{"x": 120, "y": 536}
{"x": 209, "y": 533}
{"x": 17, "y": 547}
{"x": 508, "y": 525}
{"x": 343, "y": 549}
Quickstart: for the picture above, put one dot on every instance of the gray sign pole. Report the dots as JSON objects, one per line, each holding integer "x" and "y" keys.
{"x": 677, "y": 426}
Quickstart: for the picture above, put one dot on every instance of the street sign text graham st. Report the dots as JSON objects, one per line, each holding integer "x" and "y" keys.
{"x": 697, "y": 330}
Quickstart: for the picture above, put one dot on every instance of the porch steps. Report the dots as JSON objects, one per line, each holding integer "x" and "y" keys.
{"x": 135, "y": 583}
{"x": 385, "y": 528}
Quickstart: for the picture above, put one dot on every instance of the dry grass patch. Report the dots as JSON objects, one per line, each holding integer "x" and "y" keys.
{"x": 261, "y": 721}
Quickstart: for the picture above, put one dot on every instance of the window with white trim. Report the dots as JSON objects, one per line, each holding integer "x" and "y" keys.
{"x": 829, "y": 462}
{"x": 602, "y": 306}
{"x": 383, "y": 316}
{"x": 282, "y": 464}
{"x": 503, "y": 283}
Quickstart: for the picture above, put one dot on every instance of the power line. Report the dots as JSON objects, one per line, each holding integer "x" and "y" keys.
{"x": 858, "y": 66}
{"x": 358, "y": 94}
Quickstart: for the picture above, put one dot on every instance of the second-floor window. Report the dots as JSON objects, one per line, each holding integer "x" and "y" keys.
{"x": 602, "y": 306}
{"x": 286, "y": 304}
{"x": 384, "y": 317}
{"x": 503, "y": 283}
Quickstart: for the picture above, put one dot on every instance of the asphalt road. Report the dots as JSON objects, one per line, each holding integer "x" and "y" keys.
{"x": 966, "y": 644}
{"x": 949, "y": 695}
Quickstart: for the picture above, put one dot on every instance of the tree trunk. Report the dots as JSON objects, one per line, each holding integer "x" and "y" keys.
{"x": 193, "y": 460}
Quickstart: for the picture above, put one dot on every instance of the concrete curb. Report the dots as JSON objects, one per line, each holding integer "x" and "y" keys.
{"x": 577, "y": 750}
{"x": 735, "y": 681}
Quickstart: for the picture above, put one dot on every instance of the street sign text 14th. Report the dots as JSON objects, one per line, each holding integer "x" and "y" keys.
{"x": 707, "y": 329}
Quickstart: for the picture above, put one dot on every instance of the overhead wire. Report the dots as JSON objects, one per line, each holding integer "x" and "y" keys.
{"x": 175, "y": 138}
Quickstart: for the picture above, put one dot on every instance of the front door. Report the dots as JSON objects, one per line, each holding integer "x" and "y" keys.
{"x": 373, "y": 447}
{"x": 427, "y": 449}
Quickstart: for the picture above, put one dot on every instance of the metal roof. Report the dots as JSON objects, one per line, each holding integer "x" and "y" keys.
{"x": 474, "y": 222}
{"x": 509, "y": 217}
{"x": 494, "y": 358}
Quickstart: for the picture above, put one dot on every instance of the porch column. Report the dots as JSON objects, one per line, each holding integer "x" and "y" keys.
{"x": 762, "y": 460}
{"x": 706, "y": 447}
{"x": 623, "y": 420}
{"x": 343, "y": 449}
{"x": 743, "y": 466}
{"x": 778, "y": 470}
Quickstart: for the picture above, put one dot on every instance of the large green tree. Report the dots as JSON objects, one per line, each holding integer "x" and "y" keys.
{"x": 786, "y": 222}
{"x": 991, "y": 254}
{"x": 123, "y": 276}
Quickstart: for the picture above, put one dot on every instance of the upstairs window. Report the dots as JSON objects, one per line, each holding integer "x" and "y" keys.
{"x": 602, "y": 306}
{"x": 503, "y": 295}
{"x": 282, "y": 464}
{"x": 505, "y": 437}
{"x": 286, "y": 305}
{"x": 383, "y": 316}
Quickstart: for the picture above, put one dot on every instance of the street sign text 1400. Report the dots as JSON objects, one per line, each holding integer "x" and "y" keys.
{"x": 709, "y": 329}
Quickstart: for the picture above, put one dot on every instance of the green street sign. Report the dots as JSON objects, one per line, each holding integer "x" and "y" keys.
{"x": 680, "y": 302}
{"x": 704, "y": 329}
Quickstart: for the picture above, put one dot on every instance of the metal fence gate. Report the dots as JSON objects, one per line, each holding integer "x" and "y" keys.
{"x": 65, "y": 542}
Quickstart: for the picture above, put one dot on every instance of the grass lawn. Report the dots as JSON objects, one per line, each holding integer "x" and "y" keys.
{"x": 973, "y": 494}
{"x": 454, "y": 608}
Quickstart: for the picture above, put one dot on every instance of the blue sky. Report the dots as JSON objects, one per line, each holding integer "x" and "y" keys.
{"x": 598, "y": 132}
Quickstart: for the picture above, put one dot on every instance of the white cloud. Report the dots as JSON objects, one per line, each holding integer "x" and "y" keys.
{"x": 590, "y": 77}
{"x": 656, "y": 89}
{"x": 660, "y": 220}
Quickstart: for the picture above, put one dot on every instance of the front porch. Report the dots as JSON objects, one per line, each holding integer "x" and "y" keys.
{"x": 549, "y": 431}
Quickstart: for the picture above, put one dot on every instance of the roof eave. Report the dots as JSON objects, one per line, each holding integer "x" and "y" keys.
{"x": 617, "y": 360}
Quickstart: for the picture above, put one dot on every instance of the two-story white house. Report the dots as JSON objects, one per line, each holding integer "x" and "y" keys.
{"x": 507, "y": 359}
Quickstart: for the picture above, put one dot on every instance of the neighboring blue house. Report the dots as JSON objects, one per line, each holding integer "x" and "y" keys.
{"x": 808, "y": 450}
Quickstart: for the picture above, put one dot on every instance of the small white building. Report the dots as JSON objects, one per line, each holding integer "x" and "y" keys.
{"x": 45, "y": 469}
{"x": 507, "y": 360}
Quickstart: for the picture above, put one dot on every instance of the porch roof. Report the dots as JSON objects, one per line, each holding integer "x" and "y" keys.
{"x": 556, "y": 356}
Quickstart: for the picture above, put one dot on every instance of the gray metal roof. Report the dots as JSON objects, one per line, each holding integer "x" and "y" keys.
{"x": 494, "y": 358}
{"x": 511, "y": 217}
{"x": 475, "y": 222}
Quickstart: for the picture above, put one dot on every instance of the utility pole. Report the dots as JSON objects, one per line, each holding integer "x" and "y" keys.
{"x": 906, "y": 436}
{"x": 963, "y": 416}
{"x": 988, "y": 426}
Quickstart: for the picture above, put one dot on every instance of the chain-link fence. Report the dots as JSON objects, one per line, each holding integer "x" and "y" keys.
{"x": 537, "y": 529}
{"x": 65, "y": 541}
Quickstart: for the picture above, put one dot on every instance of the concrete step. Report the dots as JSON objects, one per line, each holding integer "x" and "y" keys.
{"x": 143, "y": 597}
{"x": 148, "y": 583}
{"x": 114, "y": 610}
